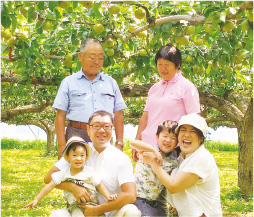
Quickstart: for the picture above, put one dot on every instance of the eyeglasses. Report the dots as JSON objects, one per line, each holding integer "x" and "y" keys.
{"x": 98, "y": 126}
{"x": 93, "y": 59}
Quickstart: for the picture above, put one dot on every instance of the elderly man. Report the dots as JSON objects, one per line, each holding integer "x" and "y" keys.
{"x": 85, "y": 92}
{"x": 113, "y": 166}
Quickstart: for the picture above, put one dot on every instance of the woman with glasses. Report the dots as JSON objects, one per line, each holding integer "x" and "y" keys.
{"x": 85, "y": 92}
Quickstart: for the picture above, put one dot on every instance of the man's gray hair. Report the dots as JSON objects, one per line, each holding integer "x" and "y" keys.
{"x": 87, "y": 41}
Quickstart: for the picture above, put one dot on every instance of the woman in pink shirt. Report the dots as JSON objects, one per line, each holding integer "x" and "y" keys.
{"x": 168, "y": 99}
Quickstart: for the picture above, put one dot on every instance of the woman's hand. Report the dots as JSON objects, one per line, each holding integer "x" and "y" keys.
{"x": 149, "y": 158}
{"x": 159, "y": 157}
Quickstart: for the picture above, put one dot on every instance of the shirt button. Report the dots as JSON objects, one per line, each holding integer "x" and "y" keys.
{"x": 95, "y": 100}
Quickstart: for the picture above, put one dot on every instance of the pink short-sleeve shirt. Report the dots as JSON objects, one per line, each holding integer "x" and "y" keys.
{"x": 169, "y": 100}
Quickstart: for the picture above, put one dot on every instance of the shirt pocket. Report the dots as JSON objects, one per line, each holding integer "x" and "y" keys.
{"x": 78, "y": 98}
{"x": 108, "y": 94}
{"x": 108, "y": 100}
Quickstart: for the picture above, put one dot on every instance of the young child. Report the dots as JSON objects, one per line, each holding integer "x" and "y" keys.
{"x": 150, "y": 192}
{"x": 76, "y": 153}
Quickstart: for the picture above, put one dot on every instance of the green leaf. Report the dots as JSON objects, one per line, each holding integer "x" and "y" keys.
{"x": 4, "y": 9}
{"x": 40, "y": 5}
{"x": 6, "y": 21}
{"x": 31, "y": 14}
{"x": 96, "y": 10}
{"x": 39, "y": 27}
{"x": 52, "y": 5}
{"x": 166, "y": 27}
{"x": 14, "y": 22}
{"x": 27, "y": 3}
{"x": 57, "y": 13}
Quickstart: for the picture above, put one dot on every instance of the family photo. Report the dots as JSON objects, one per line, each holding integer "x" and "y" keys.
{"x": 82, "y": 71}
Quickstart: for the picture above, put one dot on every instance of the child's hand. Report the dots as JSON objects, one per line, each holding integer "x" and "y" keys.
{"x": 112, "y": 197}
{"x": 32, "y": 204}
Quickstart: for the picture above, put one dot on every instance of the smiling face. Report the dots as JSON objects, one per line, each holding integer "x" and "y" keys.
{"x": 100, "y": 136}
{"x": 77, "y": 158}
{"x": 166, "y": 141}
{"x": 166, "y": 69}
{"x": 188, "y": 139}
{"x": 91, "y": 59}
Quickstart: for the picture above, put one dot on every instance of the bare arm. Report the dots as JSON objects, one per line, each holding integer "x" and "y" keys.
{"x": 60, "y": 130}
{"x": 104, "y": 191}
{"x": 126, "y": 196}
{"x": 141, "y": 126}
{"x": 183, "y": 180}
{"x": 79, "y": 192}
{"x": 145, "y": 147}
{"x": 48, "y": 188}
{"x": 119, "y": 125}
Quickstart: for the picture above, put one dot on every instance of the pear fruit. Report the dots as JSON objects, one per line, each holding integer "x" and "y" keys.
{"x": 86, "y": 4}
{"x": 99, "y": 28}
{"x": 142, "y": 52}
{"x": 114, "y": 9}
{"x": 142, "y": 34}
{"x": 228, "y": 26}
{"x": 140, "y": 13}
{"x": 110, "y": 52}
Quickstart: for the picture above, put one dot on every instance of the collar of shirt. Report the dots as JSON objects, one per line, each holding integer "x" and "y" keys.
{"x": 195, "y": 152}
{"x": 80, "y": 74}
{"x": 95, "y": 152}
{"x": 173, "y": 80}
{"x": 170, "y": 154}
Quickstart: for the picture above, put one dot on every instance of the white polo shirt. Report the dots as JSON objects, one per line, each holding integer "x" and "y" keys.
{"x": 112, "y": 166}
{"x": 204, "y": 195}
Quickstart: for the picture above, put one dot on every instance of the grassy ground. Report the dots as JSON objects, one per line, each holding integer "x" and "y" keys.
{"x": 22, "y": 172}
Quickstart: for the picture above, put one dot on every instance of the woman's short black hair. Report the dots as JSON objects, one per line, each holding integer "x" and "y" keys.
{"x": 170, "y": 52}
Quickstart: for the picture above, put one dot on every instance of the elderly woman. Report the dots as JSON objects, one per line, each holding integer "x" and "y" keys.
{"x": 193, "y": 187}
{"x": 169, "y": 99}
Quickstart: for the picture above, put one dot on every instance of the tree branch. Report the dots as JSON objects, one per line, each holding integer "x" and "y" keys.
{"x": 11, "y": 113}
{"x": 222, "y": 105}
{"x": 194, "y": 20}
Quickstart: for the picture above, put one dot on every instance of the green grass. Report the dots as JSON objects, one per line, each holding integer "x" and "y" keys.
{"x": 22, "y": 172}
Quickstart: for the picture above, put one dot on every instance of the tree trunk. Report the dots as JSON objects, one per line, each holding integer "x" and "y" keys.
{"x": 50, "y": 138}
{"x": 245, "y": 153}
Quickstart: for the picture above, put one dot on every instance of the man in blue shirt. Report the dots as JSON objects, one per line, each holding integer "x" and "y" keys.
{"x": 83, "y": 93}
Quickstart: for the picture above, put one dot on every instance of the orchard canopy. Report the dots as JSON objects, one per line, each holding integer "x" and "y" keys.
{"x": 40, "y": 41}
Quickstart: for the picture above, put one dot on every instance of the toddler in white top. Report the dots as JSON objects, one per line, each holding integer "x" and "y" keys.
{"x": 76, "y": 153}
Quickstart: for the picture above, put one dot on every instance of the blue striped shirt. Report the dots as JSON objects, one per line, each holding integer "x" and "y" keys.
{"x": 81, "y": 97}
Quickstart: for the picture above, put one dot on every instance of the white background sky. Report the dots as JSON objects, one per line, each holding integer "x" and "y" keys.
{"x": 24, "y": 133}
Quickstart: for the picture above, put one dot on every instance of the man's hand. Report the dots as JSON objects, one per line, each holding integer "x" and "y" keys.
{"x": 81, "y": 194}
{"x": 90, "y": 210}
{"x": 135, "y": 155}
